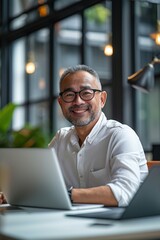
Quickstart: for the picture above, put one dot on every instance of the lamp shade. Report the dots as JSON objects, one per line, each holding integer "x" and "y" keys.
{"x": 143, "y": 79}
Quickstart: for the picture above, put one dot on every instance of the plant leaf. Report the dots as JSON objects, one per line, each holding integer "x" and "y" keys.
{"x": 6, "y": 115}
{"x": 28, "y": 137}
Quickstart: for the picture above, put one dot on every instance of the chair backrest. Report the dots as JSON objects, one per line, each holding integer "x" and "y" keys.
{"x": 156, "y": 151}
{"x": 152, "y": 163}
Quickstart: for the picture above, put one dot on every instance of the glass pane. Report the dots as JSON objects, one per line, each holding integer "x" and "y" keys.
{"x": 17, "y": 7}
{"x": 147, "y": 105}
{"x": 18, "y": 118}
{"x": 149, "y": 116}
{"x": 108, "y": 106}
{"x": 63, "y": 3}
{"x": 39, "y": 115}
{"x": 67, "y": 51}
{"x": 30, "y": 78}
{"x": 23, "y": 20}
{"x": 38, "y": 65}
{"x": 154, "y": 100}
{"x": 101, "y": 63}
{"x": 98, "y": 36}
{"x": 18, "y": 71}
{"x": 59, "y": 120}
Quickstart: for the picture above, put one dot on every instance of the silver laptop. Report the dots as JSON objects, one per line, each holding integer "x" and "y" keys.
{"x": 32, "y": 177}
{"x": 145, "y": 203}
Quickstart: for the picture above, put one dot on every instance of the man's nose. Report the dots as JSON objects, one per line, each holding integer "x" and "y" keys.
{"x": 78, "y": 98}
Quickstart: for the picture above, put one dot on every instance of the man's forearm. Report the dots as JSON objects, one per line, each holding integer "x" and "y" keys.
{"x": 99, "y": 195}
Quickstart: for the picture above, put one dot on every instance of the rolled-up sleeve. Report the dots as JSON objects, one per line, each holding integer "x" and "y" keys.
{"x": 127, "y": 164}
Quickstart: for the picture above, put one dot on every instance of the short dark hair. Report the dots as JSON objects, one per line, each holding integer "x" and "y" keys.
{"x": 77, "y": 68}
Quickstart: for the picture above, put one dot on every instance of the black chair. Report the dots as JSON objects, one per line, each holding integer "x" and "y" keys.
{"x": 156, "y": 152}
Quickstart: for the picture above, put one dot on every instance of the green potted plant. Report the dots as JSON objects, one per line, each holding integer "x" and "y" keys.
{"x": 27, "y": 136}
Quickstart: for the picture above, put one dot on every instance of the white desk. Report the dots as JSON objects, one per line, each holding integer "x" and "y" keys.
{"x": 55, "y": 225}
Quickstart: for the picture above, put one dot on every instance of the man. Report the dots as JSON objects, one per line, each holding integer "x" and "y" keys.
{"x": 102, "y": 160}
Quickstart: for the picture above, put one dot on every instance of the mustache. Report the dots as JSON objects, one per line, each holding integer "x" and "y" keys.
{"x": 81, "y": 106}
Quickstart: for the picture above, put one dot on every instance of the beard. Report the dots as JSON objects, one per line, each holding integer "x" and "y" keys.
{"x": 79, "y": 122}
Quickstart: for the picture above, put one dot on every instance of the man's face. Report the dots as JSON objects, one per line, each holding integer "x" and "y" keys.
{"x": 79, "y": 112}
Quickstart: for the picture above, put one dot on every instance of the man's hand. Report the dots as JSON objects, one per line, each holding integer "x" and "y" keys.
{"x": 2, "y": 198}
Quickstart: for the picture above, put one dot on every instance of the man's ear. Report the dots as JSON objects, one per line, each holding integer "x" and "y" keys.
{"x": 103, "y": 98}
{"x": 59, "y": 100}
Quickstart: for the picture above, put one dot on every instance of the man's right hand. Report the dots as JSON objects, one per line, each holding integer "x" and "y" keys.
{"x": 2, "y": 198}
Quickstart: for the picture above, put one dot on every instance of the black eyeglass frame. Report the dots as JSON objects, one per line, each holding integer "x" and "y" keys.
{"x": 94, "y": 90}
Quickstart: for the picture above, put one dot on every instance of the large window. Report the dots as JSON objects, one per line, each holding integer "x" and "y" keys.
{"x": 40, "y": 39}
{"x": 38, "y": 55}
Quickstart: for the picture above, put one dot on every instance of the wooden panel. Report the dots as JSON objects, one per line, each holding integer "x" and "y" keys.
{"x": 152, "y": 163}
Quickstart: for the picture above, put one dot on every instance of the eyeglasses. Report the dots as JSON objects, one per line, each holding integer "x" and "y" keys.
{"x": 85, "y": 94}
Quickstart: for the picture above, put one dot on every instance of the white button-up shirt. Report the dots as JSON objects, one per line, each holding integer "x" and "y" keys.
{"x": 110, "y": 155}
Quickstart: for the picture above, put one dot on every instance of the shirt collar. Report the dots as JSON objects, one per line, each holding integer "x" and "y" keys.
{"x": 102, "y": 121}
{"x": 92, "y": 135}
{"x": 74, "y": 138}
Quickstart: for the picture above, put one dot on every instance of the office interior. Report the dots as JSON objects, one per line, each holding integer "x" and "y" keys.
{"x": 40, "y": 39}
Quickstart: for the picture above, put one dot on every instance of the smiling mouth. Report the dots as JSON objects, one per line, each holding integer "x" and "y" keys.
{"x": 79, "y": 109}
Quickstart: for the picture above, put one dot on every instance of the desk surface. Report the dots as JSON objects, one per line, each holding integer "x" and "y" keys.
{"x": 53, "y": 224}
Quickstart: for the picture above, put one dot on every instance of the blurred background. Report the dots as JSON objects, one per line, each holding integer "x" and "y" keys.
{"x": 40, "y": 39}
